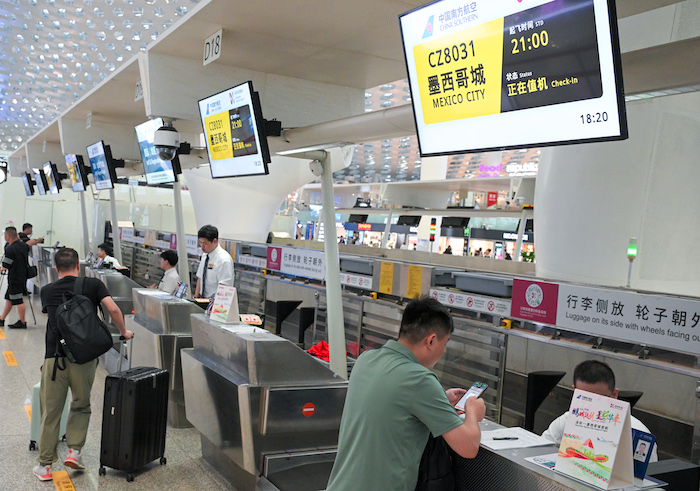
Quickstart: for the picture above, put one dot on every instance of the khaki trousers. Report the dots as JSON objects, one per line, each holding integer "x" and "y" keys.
{"x": 53, "y": 397}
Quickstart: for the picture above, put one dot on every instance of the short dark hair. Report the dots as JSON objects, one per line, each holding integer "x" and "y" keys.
{"x": 209, "y": 232}
{"x": 170, "y": 256}
{"x": 66, "y": 259}
{"x": 11, "y": 231}
{"x": 424, "y": 316}
{"x": 106, "y": 247}
{"x": 26, "y": 226}
{"x": 594, "y": 372}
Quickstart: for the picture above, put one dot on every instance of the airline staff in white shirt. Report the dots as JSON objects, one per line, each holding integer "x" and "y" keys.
{"x": 170, "y": 280}
{"x": 104, "y": 253}
{"x": 596, "y": 377}
{"x": 216, "y": 266}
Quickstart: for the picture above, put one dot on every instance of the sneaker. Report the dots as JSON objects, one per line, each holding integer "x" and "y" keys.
{"x": 43, "y": 472}
{"x": 73, "y": 460}
{"x": 18, "y": 325}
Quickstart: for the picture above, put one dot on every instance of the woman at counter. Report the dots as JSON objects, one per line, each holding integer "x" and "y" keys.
{"x": 105, "y": 259}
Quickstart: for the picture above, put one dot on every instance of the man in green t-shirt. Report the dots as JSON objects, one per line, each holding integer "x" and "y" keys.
{"x": 394, "y": 401}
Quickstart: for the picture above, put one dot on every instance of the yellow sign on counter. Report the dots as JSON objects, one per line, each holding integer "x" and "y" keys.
{"x": 415, "y": 281}
{"x": 386, "y": 278}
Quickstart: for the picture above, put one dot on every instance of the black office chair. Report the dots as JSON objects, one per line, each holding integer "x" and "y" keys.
{"x": 539, "y": 386}
{"x": 631, "y": 396}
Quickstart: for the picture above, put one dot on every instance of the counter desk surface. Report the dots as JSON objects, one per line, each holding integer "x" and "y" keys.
{"x": 508, "y": 470}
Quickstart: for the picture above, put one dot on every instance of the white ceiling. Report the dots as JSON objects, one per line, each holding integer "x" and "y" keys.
{"x": 53, "y": 52}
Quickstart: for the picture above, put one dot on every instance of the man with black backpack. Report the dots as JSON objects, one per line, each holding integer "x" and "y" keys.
{"x": 55, "y": 380}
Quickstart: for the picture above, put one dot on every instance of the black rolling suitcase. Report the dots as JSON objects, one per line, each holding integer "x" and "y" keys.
{"x": 134, "y": 419}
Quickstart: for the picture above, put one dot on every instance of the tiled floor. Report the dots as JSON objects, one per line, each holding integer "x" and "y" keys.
{"x": 185, "y": 468}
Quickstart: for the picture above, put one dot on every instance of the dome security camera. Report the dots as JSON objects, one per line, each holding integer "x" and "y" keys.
{"x": 167, "y": 141}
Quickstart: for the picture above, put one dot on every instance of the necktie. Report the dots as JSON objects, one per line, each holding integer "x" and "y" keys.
{"x": 205, "y": 259}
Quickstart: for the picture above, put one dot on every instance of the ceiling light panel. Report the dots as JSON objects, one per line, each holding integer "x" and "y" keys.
{"x": 53, "y": 52}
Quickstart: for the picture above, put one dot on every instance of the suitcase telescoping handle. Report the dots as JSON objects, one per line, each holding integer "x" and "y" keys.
{"x": 123, "y": 342}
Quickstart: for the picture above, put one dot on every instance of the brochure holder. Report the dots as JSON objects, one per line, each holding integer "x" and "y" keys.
{"x": 597, "y": 444}
{"x": 225, "y": 306}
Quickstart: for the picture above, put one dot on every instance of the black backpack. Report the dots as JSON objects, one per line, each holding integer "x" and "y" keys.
{"x": 435, "y": 471}
{"x": 82, "y": 336}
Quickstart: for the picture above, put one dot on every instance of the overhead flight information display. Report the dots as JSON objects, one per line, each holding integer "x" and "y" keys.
{"x": 488, "y": 75}
{"x": 232, "y": 123}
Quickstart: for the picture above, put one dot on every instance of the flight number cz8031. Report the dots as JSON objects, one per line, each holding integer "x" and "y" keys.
{"x": 448, "y": 55}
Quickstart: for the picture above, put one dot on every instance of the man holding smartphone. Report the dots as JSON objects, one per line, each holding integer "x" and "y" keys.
{"x": 394, "y": 402}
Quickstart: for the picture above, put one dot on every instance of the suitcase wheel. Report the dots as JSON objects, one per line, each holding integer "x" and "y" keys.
{"x": 102, "y": 471}
{"x": 163, "y": 461}
{"x": 130, "y": 477}
{"x": 32, "y": 445}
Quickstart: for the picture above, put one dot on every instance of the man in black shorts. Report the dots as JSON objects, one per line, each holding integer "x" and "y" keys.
{"x": 15, "y": 263}
{"x": 78, "y": 376}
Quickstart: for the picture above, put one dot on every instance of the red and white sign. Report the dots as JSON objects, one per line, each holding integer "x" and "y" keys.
{"x": 535, "y": 301}
{"x": 297, "y": 262}
{"x": 355, "y": 280}
{"x": 491, "y": 199}
{"x": 255, "y": 262}
{"x": 274, "y": 258}
{"x": 308, "y": 410}
{"x": 173, "y": 241}
{"x": 489, "y": 305}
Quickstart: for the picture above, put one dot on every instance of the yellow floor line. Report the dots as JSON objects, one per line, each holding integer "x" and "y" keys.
{"x": 28, "y": 410}
{"x": 2, "y": 334}
{"x": 10, "y": 358}
{"x": 62, "y": 481}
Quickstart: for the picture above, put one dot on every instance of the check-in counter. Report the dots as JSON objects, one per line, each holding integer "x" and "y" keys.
{"x": 120, "y": 288}
{"x": 265, "y": 408}
{"x": 508, "y": 469}
{"x": 161, "y": 327}
{"x": 46, "y": 270}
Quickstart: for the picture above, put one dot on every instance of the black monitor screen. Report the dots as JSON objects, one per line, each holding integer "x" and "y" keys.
{"x": 235, "y": 134}
{"x": 102, "y": 166}
{"x": 157, "y": 170}
{"x": 76, "y": 172}
{"x": 28, "y": 184}
{"x": 40, "y": 179}
{"x": 548, "y": 70}
{"x": 408, "y": 220}
{"x": 52, "y": 180}
{"x": 454, "y": 222}
{"x": 357, "y": 219}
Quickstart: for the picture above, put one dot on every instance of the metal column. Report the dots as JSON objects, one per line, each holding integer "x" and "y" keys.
{"x": 115, "y": 228}
{"x": 183, "y": 264}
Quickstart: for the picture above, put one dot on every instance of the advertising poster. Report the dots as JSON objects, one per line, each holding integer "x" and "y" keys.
{"x": 597, "y": 444}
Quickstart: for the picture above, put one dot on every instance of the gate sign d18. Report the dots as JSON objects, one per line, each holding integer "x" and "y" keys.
{"x": 490, "y": 75}
{"x": 212, "y": 47}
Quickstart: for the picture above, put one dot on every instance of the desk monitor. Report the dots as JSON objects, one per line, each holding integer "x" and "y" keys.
{"x": 490, "y": 75}
{"x": 77, "y": 173}
{"x": 102, "y": 165}
{"x": 234, "y": 129}
{"x": 157, "y": 170}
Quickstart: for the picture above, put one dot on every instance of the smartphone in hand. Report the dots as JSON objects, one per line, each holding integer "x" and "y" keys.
{"x": 474, "y": 391}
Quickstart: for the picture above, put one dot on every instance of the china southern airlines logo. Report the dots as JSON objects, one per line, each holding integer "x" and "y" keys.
{"x": 207, "y": 108}
{"x": 429, "y": 28}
